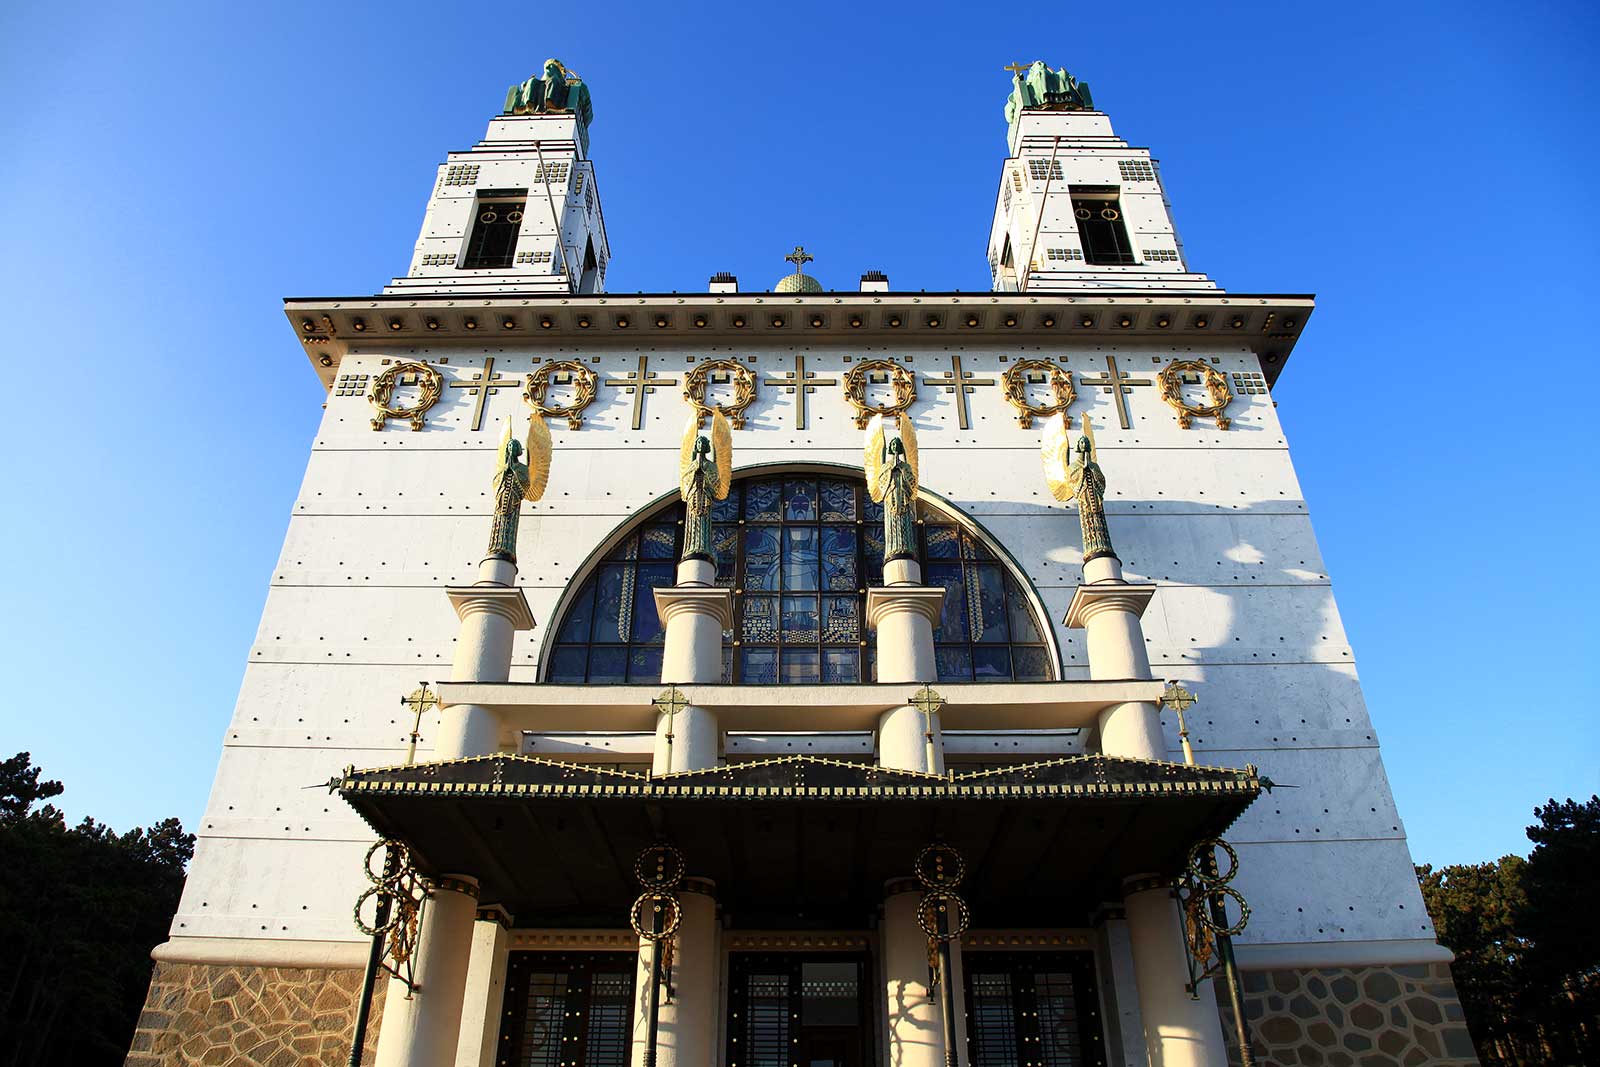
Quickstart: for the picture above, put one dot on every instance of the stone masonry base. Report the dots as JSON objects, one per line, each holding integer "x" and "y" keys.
{"x": 245, "y": 1016}
{"x": 1397, "y": 1016}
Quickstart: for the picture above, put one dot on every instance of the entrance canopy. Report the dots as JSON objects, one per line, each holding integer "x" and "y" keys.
{"x": 799, "y": 841}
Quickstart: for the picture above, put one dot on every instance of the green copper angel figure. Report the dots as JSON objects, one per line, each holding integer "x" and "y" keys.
{"x": 1083, "y": 481}
{"x": 516, "y": 481}
{"x": 892, "y": 479}
{"x": 705, "y": 470}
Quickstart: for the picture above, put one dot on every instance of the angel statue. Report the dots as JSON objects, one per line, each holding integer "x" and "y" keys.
{"x": 705, "y": 468}
{"x": 1082, "y": 481}
{"x": 516, "y": 481}
{"x": 891, "y": 467}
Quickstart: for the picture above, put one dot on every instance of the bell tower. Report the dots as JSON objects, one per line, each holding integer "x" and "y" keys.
{"x": 1078, "y": 208}
{"x": 520, "y": 210}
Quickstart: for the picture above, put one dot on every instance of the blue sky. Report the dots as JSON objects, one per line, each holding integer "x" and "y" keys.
{"x": 170, "y": 171}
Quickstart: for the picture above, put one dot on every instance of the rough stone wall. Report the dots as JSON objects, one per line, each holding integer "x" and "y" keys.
{"x": 1400, "y": 1016}
{"x": 245, "y": 1016}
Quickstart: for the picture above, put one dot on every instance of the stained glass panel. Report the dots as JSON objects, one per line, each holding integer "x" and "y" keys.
{"x": 760, "y": 557}
{"x": 800, "y": 500}
{"x": 799, "y": 620}
{"x": 798, "y": 538}
{"x": 839, "y": 558}
{"x": 761, "y": 501}
{"x": 838, "y": 501}
{"x": 801, "y": 666}
{"x": 800, "y": 557}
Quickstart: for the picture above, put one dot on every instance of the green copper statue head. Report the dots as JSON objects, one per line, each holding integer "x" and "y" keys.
{"x": 897, "y": 447}
{"x": 702, "y": 446}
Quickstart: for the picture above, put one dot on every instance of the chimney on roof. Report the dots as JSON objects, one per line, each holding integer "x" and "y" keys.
{"x": 874, "y": 281}
{"x": 723, "y": 282}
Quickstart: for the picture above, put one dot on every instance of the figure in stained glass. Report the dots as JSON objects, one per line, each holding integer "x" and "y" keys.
{"x": 892, "y": 479}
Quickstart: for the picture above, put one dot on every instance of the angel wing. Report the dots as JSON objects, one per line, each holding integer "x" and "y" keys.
{"x": 539, "y": 449}
{"x": 1088, "y": 431}
{"x": 1054, "y": 451}
{"x": 686, "y": 461}
{"x": 722, "y": 452}
{"x": 908, "y": 439}
{"x": 872, "y": 457}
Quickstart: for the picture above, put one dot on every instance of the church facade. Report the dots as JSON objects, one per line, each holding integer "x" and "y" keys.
{"x": 801, "y": 677}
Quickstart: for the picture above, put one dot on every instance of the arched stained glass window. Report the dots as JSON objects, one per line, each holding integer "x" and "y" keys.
{"x": 799, "y": 551}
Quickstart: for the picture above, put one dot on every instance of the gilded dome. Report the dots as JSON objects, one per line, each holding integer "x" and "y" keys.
{"x": 798, "y": 283}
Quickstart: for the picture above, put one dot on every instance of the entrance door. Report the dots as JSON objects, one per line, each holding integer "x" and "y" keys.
{"x": 567, "y": 1008}
{"x": 1032, "y": 1008}
{"x": 799, "y": 1010}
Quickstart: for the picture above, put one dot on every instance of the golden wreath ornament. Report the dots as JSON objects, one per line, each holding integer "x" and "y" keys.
{"x": 1216, "y": 384}
{"x": 1015, "y": 382}
{"x": 855, "y": 390}
{"x": 382, "y": 395}
{"x": 399, "y": 883}
{"x": 1201, "y": 891}
{"x": 699, "y": 380}
{"x": 583, "y": 380}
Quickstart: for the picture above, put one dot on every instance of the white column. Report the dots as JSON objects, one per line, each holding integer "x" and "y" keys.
{"x": 902, "y": 613}
{"x": 1179, "y": 1031}
{"x": 491, "y": 612}
{"x": 422, "y": 1028}
{"x": 486, "y": 988}
{"x": 1108, "y": 609}
{"x": 911, "y": 1007}
{"x": 687, "y": 1027}
{"x": 694, "y": 613}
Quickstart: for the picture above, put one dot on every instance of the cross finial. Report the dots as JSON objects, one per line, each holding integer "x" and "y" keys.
{"x": 671, "y": 701}
{"x": 1177, "y": 697}
{"x": 419, "y": 700}
{"x": 799, "y": 257}
{"x": 1018, "y": 68}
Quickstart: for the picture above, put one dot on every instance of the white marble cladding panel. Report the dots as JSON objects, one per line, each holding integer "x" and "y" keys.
{"x": 1244, "y": 614}
{"x": 275, "y": 888}
{"x": 1331, "y": 891}
{"x": 831, "y": 424}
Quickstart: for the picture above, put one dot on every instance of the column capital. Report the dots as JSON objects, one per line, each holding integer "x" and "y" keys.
{"x": 715, "y": 601}
{"x": 494, "y": 600}
{"x": 495, "y": 913}
{"x": 1091, "y": 600}
{"x": 885, "y": 600}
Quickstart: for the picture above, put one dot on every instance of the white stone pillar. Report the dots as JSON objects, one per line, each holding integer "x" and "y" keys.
{"x": 687, "y": 1027}
{"x": 694, "y": 613}
{"x": 902, "y": 612}
{"x": 491, "y": 612}
{"x": 424, "y": 1030}
{"x": 486, "y": 988}
{"x": 1108, "y": 609}
{"x": 911, "y": 1006}
{"x": 1179, "y": 1031}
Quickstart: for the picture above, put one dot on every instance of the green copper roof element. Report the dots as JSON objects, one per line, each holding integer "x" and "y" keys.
{"x": 556, "y": 92}
{"x": 799, "y": 281}
{"x": 1038, "y": 88}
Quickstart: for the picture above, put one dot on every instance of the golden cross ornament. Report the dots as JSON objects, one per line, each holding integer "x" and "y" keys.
{"x": 418, "y": 700}
{"x": 671, "y": 701}
{"x": 1017, "y": 68}
{"x": 1180, "y": 700}
{"x": 799, "y": 257}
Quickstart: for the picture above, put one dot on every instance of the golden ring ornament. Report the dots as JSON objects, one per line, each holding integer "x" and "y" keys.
{"x": 382, "y": 396}
{"x": 958, "y": 917}
{"x": 940, "y": 867}
{"x": 855, "y": 390}
{"x": 584, "y": 381}
{"x": 667, "y": 904}
{"x": 1015, "y": 384}
{"x": 1216, "y": 383}
{"x": 659, "y": 867}
{"x": 699, "y": 380}
{"x": 403, "y": 888}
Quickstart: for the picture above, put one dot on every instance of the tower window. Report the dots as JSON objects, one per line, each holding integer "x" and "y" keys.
{"x": 495, "y": 228}
{"x": 551, "y": 172}
{"x": 1102, "y": 230}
